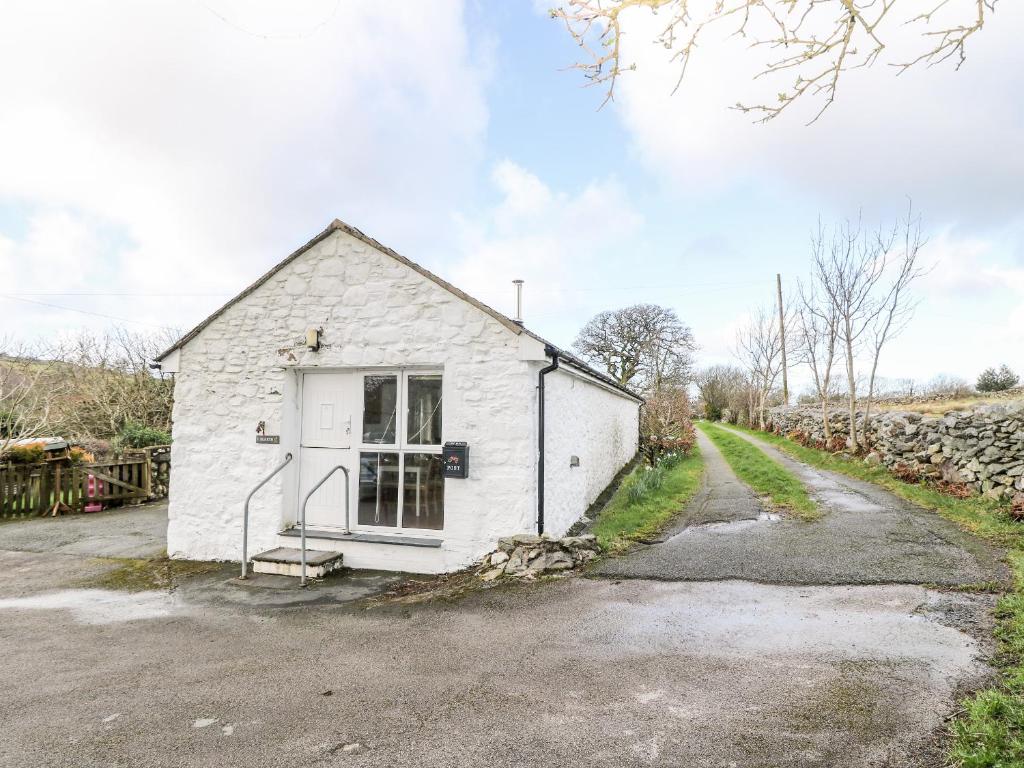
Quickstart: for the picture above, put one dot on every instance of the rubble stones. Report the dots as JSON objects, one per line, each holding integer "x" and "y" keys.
{"x": 529, "y": 555}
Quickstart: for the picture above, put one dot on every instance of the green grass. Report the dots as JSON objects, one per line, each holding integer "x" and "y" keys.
{"x": 647, "y": 501}
{"x": 989, "y": 730}
{"x": 767, "y": 477}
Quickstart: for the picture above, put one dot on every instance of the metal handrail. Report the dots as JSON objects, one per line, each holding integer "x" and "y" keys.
{"x": 245, "y": 515}
{"x": 302, "y": 517}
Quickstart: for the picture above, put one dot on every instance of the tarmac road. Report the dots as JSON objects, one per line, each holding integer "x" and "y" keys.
{"x": 662, "y": 658}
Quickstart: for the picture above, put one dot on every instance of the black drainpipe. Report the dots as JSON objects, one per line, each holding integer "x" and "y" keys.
{"x": 553, "y": 354}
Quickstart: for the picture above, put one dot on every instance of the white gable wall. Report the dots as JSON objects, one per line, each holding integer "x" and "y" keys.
{"x": 376, "y": 312}
{"x": 590, "y": 420}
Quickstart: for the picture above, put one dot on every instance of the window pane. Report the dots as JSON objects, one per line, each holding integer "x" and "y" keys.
{"x": 424, "y": 427}
{"x": 378, "y": 489}
{"x": 423, "y": 505}
{"x": 380, "y": 395}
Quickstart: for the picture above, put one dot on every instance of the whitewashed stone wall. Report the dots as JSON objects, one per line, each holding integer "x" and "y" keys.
{"x": 595, "y": 423}
{"x": 375, "y": 311}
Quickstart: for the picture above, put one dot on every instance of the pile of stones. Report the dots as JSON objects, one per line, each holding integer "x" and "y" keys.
{"x": 982, "y": 447}
{"x": 528, "y": 555}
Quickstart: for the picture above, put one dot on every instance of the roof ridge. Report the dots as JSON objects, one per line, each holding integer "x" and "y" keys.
{"x": 337, "y": 225}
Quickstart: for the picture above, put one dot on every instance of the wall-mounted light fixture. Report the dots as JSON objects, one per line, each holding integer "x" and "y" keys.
{"x": 313, "y": 339}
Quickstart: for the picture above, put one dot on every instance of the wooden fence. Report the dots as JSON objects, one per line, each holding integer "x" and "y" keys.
{"x": 52, "y": 489}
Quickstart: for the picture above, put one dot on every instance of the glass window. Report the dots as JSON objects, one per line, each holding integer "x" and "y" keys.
{"x": 424, "y": 409}
{"x": 423, "y": 493}
{"x": 378, "y": 489}
{"x": 380, "y": 398}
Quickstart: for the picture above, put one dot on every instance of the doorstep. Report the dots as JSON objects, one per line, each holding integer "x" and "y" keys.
{"x": 364, "y": 537}
{"x": 284, "y": 561}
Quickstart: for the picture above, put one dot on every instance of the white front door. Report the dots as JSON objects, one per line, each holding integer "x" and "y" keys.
{"x": 329, "y": 403}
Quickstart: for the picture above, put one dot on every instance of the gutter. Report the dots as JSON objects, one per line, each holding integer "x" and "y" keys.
{"x": 553, "y": 354}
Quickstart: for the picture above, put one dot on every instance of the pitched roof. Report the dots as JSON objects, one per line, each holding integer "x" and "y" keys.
{"x": 339, "y": 226}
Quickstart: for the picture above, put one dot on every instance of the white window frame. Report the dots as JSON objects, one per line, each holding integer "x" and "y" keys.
{"x": 401, "y": 446}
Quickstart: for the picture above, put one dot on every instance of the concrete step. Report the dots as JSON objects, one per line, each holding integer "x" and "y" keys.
{"x": 286, "y": 561}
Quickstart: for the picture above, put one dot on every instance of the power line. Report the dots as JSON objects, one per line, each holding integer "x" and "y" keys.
{"x": 87, "y": 312}
{"x": 115, "y": 293}
{"x": 262, "y": 36}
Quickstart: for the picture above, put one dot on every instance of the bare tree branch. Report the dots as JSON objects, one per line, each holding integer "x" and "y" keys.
{"x": 818, "y": 40}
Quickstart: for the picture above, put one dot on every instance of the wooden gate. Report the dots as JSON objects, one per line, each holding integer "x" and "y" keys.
{"x": 40, "y": 489}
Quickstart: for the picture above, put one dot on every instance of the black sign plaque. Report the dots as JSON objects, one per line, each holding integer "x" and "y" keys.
{"x": 268, "y": 439}
{"x": 456, "y": 459}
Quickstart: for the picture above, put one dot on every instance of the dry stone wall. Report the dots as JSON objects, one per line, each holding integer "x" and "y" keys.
{"x": 983, "y": 447}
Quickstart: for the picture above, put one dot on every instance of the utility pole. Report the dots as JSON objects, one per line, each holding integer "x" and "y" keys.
{"x": 782, "y": 336}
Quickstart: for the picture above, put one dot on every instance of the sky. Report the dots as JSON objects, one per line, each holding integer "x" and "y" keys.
{"x": 157, "y": 157}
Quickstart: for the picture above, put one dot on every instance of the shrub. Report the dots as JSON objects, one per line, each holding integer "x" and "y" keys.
{"x": 837, "y": 444}
{"x": 906, "y": 473}
{"x": 31, "y": 453}
{"x": 1017, "y": 507}
{"x": 80, "y": 455}
{"x": 665, "y": 425}
{"x": 800, "y": 437}
{"x": 135, "y": 435}
{"x": 992, "y": 380}
{"x": 948, "y": 386}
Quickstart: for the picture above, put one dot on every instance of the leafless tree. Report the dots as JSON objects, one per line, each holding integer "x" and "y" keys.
{"x": 719, "y": 387}
{"x": 896, "y": 306}
{"x": 645, "y": 346}
{"x": 866, "y": 277}
{"x": 86, "y": 389}
{"x": 817, "y": 331}
{"x": 759, "y": 349}
{"x": 113, "y": 384}
{"x": 814, "y": 42}
{"x": 32, "y": 384}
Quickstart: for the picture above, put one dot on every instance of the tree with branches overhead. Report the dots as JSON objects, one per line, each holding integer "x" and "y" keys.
{"x": 815, "y": 42}
{"x": 644, "y": 346}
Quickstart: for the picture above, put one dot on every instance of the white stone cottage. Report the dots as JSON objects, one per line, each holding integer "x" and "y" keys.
{"x": 349, "y": 354}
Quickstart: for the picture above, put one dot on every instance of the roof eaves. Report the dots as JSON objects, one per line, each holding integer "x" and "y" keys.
{"x": 577, "y": 363}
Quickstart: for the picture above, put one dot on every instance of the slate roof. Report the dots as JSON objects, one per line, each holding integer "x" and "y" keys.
{"x": 339, "y": 226}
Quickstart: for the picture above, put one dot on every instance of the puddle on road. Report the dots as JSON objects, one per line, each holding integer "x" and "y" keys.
{"x": 847, "y": 501}
{"x": 98, "y": 606}
{"x": 730, "y": 526}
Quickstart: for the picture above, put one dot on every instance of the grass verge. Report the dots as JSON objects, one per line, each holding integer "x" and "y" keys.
{"x": 766, "y": 476}
{"x": 988, "y": 732}
{"x": 640, "y": 508}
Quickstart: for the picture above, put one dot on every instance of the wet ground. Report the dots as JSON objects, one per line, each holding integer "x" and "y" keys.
{"x": 866, "y": 536}
{"x": 667, "y": 669}
{"x": 139, "y": 531}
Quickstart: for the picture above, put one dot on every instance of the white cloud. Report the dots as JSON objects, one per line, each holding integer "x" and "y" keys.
{"x": 211, "y": 152}
{"x": 949, "y": 139}
{"x": 554, "y": 240}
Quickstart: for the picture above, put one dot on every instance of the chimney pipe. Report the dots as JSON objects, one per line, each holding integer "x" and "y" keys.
{"x": 519, "y": 301}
